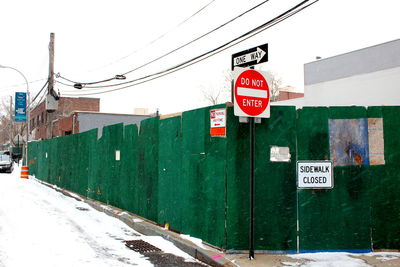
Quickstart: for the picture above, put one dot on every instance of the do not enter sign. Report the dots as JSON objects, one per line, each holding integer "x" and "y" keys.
{"x": 252, "y": 95}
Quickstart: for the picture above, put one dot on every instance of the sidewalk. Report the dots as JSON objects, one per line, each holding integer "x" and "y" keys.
{"x": 214, "y": 257}
{"x": 379, "y": 259}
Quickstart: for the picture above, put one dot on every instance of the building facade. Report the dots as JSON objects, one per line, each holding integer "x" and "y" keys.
{"x": 365, "y": 77}
{"x": 45, "y": 125}
{"x": 82, "y": 121}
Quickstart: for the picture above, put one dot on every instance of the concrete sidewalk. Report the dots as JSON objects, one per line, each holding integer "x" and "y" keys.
{"x": 216, "y": 257}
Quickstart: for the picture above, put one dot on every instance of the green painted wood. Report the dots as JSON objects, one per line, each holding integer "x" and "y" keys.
{"x": 173, "y": 171}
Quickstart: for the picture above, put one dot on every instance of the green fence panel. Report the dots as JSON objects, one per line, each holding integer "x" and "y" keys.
{"x": 97, "y": 187}
{"x": 385, "y": 183}
{"x": 94, "y": 190}
{"x": 33, "y": 148}
{"x": 147, "y": 179}
{"x": 203, "y": 182}
{"x": 85, "y": 145}
{"x": 129, "y": 169}
{"x": 323, "y": 212}
{"x": 275, "y": 182}
{"x": 113, "y": 139}
{"x": 66, "y": 148}
{"x": 170, "y": 184}
{"x": 237, "y": 184}
{"x": 212, "y": 188}
{"x": 46, "y": 161}
{"x": 173, "y": 171}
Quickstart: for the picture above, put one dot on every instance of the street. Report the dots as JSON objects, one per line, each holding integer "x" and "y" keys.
{"x": 41, "y": 227}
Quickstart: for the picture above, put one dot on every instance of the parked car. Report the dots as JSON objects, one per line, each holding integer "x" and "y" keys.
{"x": 6, "y": 163}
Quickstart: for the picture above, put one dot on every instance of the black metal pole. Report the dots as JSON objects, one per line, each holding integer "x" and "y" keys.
{"x": 252, "y": 150}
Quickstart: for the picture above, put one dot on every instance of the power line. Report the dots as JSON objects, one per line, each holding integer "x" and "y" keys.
{"x": 39, "y": 92}
{"x": 294, "y": 10}
{"x": 168, "y": 53}
{"x": 161, "y": 36}
{"x": 285, "y": 15}
{"x": 40, "y": 100}
{"x": 198, "y": 38}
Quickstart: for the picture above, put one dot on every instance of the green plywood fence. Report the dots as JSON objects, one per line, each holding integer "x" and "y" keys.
{"x": 338, "y": 218}
{"x": 172, "y": 171}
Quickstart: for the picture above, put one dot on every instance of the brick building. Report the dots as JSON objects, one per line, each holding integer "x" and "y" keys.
{"x": 288, "y": 93}
{"x": 46, "y": 125}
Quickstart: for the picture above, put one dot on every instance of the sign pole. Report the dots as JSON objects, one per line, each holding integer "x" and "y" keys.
{"x": 251, "y": 96}
{"x": 252, "y": 184}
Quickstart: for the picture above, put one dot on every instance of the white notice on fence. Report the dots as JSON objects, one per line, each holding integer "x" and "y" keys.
{"x": 315, "y": 174}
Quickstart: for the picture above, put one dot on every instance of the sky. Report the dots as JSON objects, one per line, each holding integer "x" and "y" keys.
{"x": 98, "y": 39}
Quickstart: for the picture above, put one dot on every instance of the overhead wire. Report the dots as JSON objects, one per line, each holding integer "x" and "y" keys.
{"x": 39, "y": 91}
{"x": 39, "y": 102}
{"x": 160, "y": 36}
{"x": 170, "y": 52}
{"x": 283, "y": 16}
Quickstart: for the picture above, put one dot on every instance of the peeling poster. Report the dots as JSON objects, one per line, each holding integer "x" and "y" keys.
{"x": 356, "y": 141}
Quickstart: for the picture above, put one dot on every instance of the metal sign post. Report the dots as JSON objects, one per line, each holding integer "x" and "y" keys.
{"x": 251, "y": 96}
{"x": 252, "y": 185}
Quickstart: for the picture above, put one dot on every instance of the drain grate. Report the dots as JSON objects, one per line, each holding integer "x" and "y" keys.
{"x": 141, "y": 246}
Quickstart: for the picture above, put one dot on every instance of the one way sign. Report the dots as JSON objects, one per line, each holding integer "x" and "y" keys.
{"x": 250, "y": 57}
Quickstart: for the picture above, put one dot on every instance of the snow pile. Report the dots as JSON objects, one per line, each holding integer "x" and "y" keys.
{"x": 197, "y": 241}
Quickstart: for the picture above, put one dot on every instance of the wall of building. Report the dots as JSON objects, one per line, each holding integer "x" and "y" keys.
{"x": 69, "y": 104}
{"x": 289, "y": 95}
{"x": 366, "y": 77}
{"x": 89, "y": 121}
{"x": 46, "y": 125}
{"x": 369, "y": 89}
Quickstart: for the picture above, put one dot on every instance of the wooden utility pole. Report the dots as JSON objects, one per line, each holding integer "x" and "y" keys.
{"x": 51, "y": 64}
{"x": 51, "y": 104}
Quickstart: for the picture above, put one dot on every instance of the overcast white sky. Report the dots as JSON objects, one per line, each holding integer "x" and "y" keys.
{"x": 95, "y": 40}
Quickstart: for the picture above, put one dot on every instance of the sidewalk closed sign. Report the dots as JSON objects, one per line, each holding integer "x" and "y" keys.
{"x": 315, "y": 174}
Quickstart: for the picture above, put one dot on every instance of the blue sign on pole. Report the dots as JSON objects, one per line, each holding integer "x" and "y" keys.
{"x": 20, "y": 107}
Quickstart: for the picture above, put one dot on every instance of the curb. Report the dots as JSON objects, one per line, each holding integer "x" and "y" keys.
{"x": 209, "y": 256}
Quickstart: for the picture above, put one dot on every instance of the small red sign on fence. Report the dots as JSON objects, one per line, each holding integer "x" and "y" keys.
{"x": 218, "y": 122}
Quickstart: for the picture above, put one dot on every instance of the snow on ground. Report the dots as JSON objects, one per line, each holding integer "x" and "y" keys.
{"x": 194, "y": 240}
{"x": 42, "y": 227}
{"x": 338, "y": 259}
{"x": 384, "y": 256}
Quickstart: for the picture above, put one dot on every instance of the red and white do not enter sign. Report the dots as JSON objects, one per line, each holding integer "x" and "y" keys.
{"x": 252, "y": 95}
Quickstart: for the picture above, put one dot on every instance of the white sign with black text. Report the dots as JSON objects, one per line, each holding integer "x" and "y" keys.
{"x": 315, "y": 174}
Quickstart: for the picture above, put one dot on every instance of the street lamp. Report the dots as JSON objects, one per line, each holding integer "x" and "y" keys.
{"x": 28, "y": 113}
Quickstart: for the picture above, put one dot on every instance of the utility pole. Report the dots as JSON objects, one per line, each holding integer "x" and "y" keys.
{"x": 51, "y": 98}
{"x": 51, "y": 64}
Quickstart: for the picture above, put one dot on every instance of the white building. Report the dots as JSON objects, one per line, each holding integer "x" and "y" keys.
{"x": 365, "y": 77}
